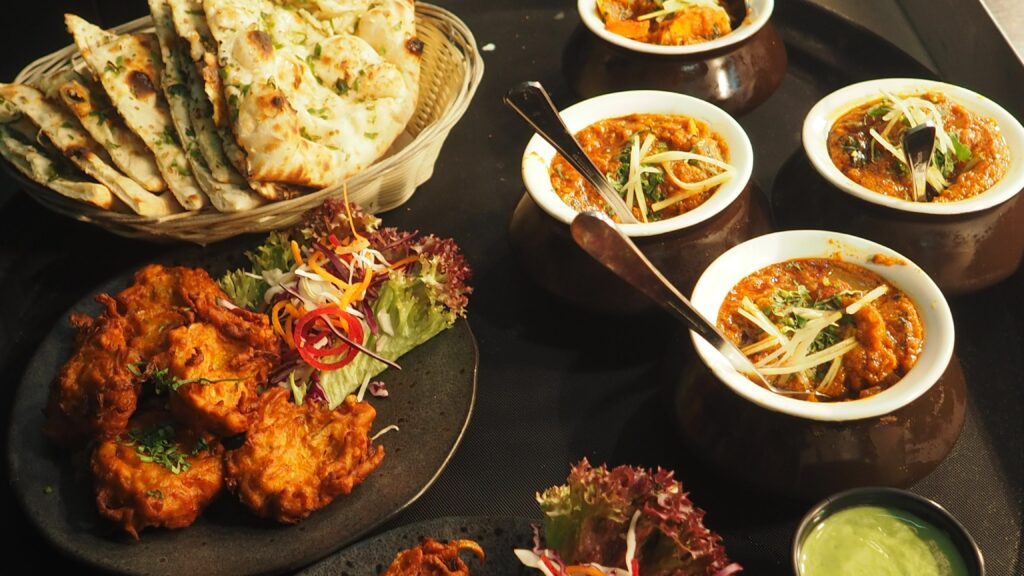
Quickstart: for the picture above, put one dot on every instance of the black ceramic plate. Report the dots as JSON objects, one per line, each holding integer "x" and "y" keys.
{"x": 430, "y": 400}
{"x": 498, "y": 537}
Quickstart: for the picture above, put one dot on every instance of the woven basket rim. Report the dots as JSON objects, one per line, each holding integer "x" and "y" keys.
{"x": 459, "y": 36}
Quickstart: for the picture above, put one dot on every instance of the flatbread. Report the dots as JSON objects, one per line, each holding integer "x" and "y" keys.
{"x": 74, "y": 143}
{"x": 311, "y": 104}
{"x": 190, "y": 24}
{"x": 227, "y": 190}
{"x": 90, "y": 105}
{"x": 129, "y": 68}
{"x": 32, "y": 160}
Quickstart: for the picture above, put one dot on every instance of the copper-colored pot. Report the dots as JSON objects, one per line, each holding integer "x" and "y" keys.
{"x": 806, "y": 459}
{"x": 963, "y": 253}
{"x": 737, "y": 78}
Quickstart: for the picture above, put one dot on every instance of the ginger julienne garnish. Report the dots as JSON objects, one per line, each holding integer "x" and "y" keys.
{"x": 822, "y": 329}
{"x": 662, "y": 165}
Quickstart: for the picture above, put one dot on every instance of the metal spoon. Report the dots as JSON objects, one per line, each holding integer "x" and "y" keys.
{"x": 602, "y": 239}
{"x": 737, "y": 11}
{"x": 918, "y": 147}
{"x": 534, "y": 105}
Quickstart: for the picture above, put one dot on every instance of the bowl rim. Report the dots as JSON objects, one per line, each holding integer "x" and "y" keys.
{"x": 759, "y": 13}
{"x": 537, "y": 156}
{"x": 748, "y": 257}
{"x": 825, "y": 112}
{"x": 877, "y": 494}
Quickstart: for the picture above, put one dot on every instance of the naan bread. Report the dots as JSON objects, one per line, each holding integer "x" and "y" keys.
{"x": 74, "y": 143}
{"x": 32, "y": 161}
{"x": 312, "y": 104}
{"x": 227, "y": 190}
{"x": 129, "y": 68}
{"x": 88, "y": 103}
{"x": 190, "y": 24}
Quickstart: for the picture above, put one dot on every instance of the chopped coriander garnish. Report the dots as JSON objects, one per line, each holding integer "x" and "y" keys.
{"x": 157, "y": 445}
{"x": 115, "y": 67}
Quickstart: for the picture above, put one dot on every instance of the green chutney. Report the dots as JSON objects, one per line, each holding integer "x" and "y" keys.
{"x": 876, "y": 541}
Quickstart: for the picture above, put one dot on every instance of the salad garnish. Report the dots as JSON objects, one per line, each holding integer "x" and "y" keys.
{"x": 349, "y": 298}
{"x": 623, "y": 521}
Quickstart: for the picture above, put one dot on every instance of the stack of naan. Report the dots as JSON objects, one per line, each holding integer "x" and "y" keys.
{"x": 228, "y": 103}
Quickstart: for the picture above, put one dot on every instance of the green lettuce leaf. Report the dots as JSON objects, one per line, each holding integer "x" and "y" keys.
{"x": 408, "y": 315}
{"x": 274, "y": 254}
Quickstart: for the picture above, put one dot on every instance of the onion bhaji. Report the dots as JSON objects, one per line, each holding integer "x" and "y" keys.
{"x": 97, "y": 390}
{"x": 432, "y": 558}
{"x": 156, "y": 474}
{"x": 298, "y": 458}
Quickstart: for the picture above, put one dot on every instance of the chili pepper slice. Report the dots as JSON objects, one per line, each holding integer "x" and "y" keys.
{"x": 307, "y": 334}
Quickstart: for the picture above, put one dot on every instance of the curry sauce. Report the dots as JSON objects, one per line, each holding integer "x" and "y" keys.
{"x": 609, "y": 143}
{"x": 975, "y": 158}
{"x": 881, "y": 333}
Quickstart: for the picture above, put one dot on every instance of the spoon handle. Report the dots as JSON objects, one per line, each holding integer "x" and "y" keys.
{"x": 599, "y": 237}
{"x": 533, "y": 103}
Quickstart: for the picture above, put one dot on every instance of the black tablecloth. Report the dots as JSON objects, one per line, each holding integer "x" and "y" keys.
{"x": 555, "y": 384}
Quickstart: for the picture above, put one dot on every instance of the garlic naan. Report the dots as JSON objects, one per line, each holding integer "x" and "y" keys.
{"x": 129, "y": 67}
{"x": 33, "y": 161}
{"x": 227, "y": 190}
{"x": 313, "y": 100}
{"x": 68, "y": 136}
{"x": 89, "y": 104}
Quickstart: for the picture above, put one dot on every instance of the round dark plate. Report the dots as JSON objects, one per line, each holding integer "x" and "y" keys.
{"x": 498, "y": 537}
{"x": 431, "y": 400}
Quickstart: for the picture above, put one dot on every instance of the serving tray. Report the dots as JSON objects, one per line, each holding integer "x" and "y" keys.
{"x": 557, "y": 384}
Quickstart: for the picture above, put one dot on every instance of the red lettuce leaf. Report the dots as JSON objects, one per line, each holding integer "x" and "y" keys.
{"x": 586, "y": 520}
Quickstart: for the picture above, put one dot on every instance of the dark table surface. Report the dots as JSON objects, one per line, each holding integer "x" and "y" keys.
{"x": 555, "y": 384}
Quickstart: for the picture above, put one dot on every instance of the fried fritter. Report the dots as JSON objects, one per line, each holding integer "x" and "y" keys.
{"x": 432, "y": 558}
{"x": 95, "y": 393}
{"x": 98, "y": 388}
{"x": 156, "y": 474}
{"x": 220, "y": 375}
{"x": 298, "y": 458}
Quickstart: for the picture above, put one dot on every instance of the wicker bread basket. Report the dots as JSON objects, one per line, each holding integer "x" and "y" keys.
{"x": 450, "y": 73}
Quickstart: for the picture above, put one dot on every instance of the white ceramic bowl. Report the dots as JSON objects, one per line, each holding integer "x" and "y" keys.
{"x": 760, "y": 11}
{"x": 746, "y": 258}
{"x": 538, "y": 155}
{"x": 824, "y": 114}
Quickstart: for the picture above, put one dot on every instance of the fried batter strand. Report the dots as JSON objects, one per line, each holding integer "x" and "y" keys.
{"x": 156, "y": 475}
{"x": 298, "y": 458}
{"x": 432, "y": 558}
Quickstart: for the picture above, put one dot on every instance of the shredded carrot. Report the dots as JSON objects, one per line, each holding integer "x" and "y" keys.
{"x": 365, "y": 284}
{"x": 275, "y": 318}
{"x": 314, "y": 264}
{"x": 289, "y": 328}
{"x": 354, "y": 245}
{"x": 584, "y": 570}
{"x": 293, "y": 311}
{"x": 348, "y": 208}
{"x": 296, "y": 253}
{"x": 404, "y": 261}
